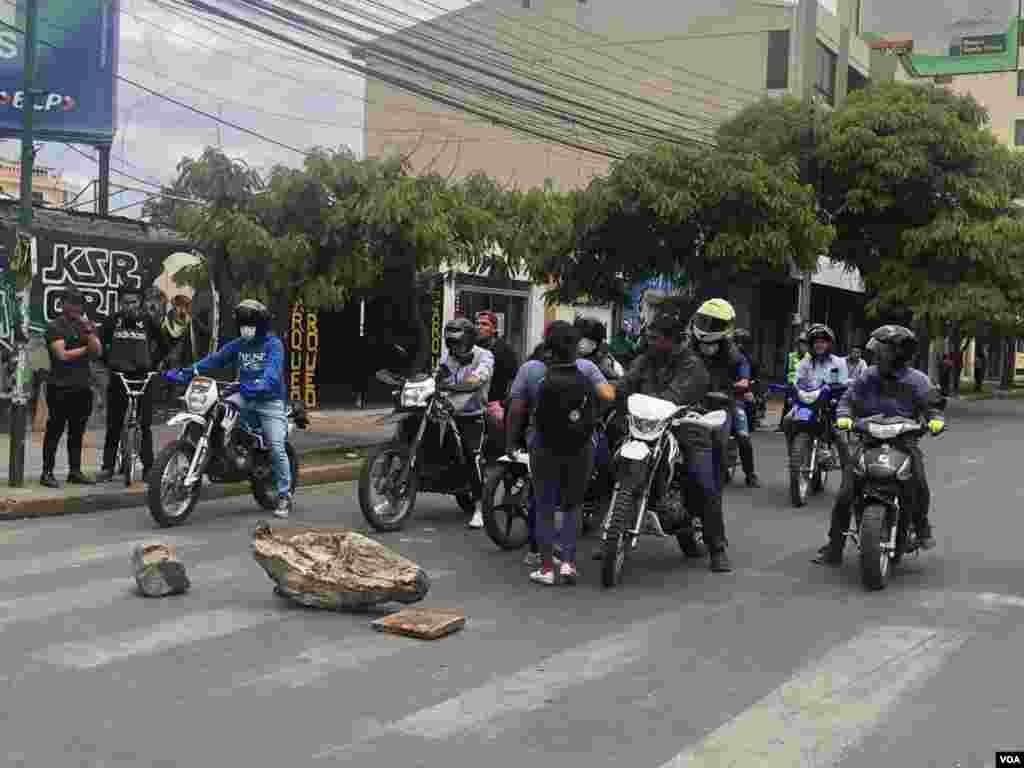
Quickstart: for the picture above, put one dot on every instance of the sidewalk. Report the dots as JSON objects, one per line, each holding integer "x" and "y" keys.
{"x": 330, "y": 444}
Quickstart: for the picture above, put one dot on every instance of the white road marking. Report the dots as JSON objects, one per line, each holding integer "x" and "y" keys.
{"x": 533, "y": 687}
{"x": 83, "y": 555}
{"x": 193, "y": 628}
{"x": 101, "y": 592}
{"x": 829, "y": 707}
{"x": 979, "y": 602}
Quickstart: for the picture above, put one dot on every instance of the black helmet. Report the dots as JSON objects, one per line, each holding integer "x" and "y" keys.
{"x": 592, "y": 334}
{"x": 892, "y": 347}
{"x": 669, "y": 324}
{"x": 252, "y": 314}
{"x": 820, "y": 331}
{"x": 460, "y": 336}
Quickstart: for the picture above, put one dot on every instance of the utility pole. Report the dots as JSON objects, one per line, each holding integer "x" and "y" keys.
{"x": 808, "y": 47}
{"x": 103, "y": 196}
{"x": 20, "y": 394}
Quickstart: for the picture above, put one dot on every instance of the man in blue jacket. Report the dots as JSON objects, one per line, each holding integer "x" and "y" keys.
{"x": 259, "y": 355}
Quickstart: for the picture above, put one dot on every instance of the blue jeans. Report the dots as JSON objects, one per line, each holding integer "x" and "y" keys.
{"x": 741, "y": 422}
{"x": 559, "y": 481}
{"x": 270, "y": 416}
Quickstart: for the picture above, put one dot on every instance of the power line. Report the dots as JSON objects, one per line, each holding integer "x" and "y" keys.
{"x": 87, "y": 156}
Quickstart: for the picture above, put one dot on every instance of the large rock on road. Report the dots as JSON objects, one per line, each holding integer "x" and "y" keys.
{"x": 336, "y": 568}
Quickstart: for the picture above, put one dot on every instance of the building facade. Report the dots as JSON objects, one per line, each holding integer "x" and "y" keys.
{"x": 982, "y": 60}
{"x": 48, "y": 186}
{"x": 684, "y": 66}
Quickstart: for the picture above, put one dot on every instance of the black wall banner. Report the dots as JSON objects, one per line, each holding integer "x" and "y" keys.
{"x": 98, "y": 266}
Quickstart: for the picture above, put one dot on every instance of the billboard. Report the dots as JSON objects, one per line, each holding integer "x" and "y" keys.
{"x": 76, "y": 68}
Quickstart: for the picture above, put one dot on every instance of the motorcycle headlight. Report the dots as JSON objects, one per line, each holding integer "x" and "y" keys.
{"x": 415, "y": 395}
{"x": 807, "y": 398}
{"x": 199, "y": 394}
{"x": 646, "y": 429}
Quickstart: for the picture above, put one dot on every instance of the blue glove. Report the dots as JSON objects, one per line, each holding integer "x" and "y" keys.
{"x": 178, "y": 375}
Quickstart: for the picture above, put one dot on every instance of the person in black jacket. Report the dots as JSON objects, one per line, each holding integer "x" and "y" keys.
{"x": 129, "y": 341}
{"x": 506, "y": 361}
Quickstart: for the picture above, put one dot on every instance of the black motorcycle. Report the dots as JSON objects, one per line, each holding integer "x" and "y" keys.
{"x": 508, "y": 492}
{"x": 426, "y": 454}
{"x": 883, "y": 524}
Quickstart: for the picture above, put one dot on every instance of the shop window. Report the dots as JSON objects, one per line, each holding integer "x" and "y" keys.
{"x": 777, "y": 66}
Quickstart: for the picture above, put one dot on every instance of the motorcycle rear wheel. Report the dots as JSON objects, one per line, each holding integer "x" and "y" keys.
{"x": 174, "y": 459}
{"x": 615, "y": 545}
{"x": 401, "y": 506}
{"x": 874, "y": 561}
{"x": 265, "y": 492}
{"x": 799, "y": 483}
{"x": 501, "y": 519}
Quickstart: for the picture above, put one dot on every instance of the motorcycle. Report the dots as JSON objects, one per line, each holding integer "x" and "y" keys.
{"x": 814, "y": 451}
{"x": 425, "y": 455}
{"x": 651, "y": 452}
{"x": 883, "y": 526}
{"x": 508, "y": 493}
{"x": 215, "y": 442}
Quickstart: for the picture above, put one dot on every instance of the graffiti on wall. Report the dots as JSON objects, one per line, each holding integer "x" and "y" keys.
{"x": 303, "y": 356}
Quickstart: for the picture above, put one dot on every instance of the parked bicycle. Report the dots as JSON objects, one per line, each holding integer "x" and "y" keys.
{"x": 131, "y": 433}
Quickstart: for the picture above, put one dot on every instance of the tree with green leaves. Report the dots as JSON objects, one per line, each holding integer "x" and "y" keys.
{"x": 710, "y": 214}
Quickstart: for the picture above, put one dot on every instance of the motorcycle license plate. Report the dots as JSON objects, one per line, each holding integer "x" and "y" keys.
{"x": 804, "y": 414}
{"x": 635, "y": 450}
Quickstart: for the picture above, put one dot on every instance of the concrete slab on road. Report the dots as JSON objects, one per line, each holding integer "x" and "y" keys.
{"x": 781, "y": 663}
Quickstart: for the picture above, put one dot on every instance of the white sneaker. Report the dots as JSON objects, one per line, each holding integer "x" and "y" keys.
{"x": 477, "y": 520}
{"x": 284, "y": 507}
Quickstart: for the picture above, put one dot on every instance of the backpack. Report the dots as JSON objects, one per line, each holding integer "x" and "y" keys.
{"x": 566, "y": 413}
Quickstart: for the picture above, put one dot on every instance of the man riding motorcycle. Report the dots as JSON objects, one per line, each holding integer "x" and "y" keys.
{"x": 793, "y": 360}
{"x": 889, "y": 388}
{"x": 818, "y": 369}
{"x": 670, "y": 370}
{"x": 259, "y": 355}
{"x": 712, "y": 329}
{"x": 468, "y": 363}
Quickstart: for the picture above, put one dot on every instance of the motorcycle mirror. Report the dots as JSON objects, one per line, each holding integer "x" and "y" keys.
{"x": 718, "y": 400}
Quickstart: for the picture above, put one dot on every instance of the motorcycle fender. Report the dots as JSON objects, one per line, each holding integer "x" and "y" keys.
{"x": 634, "y": 450}
{"x": 183, "y": 418}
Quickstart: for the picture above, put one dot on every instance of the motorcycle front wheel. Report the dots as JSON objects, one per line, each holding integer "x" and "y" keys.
{"x": 265, "y": 491}
{"x": 874, "y": 560}
{"x": 387, "y": 507}
{"x": 169, "y": 502}
{"x": 799, "y": 482}
{"x": 616, "y": 544}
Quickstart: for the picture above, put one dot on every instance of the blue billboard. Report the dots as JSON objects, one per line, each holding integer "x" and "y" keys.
{"x": 75, "y": 71}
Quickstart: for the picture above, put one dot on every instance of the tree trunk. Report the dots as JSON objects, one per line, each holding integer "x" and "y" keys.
{"x": 958, "y": 358}
{"x": 336, "y": 569}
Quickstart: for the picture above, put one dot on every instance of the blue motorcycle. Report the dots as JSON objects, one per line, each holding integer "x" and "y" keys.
{"x": 814, "y": 441}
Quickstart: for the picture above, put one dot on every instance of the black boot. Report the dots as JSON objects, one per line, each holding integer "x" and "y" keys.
{"x": 925, "y": 538}
{"x": 720, "y": 560}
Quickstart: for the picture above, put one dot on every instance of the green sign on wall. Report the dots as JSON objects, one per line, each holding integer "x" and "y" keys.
{"x": 980, "y": 44}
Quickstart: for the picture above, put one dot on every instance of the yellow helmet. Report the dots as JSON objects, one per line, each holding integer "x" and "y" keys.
{"x": 714, "y": 321}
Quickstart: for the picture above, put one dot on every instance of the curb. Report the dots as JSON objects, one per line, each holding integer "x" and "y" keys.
{"x": 124, "y": 498}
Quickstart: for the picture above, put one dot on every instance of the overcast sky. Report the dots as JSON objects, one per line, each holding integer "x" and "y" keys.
{"x": 245, "y": 78}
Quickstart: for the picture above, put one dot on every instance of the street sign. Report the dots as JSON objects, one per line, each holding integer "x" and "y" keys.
{"x": 980, "y": 44}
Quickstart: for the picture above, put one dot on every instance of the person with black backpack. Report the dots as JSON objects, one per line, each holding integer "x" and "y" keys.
{"x": 561, "y": 395}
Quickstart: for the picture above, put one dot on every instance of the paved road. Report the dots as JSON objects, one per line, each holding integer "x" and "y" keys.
{"x": 778, "y": 664}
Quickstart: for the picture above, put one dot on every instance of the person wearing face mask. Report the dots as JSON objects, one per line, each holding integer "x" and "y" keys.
{"x": 259, "y": 355}
{"x": 670, "y": 370}
{"x": 712, "y": 329}
{"x": 820, "y": 368}
{"x": 71, "y": 340}
{"x": 890, "y": 387}
{"x": 128, "y": 341}
{"x": 468, "y": 363}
